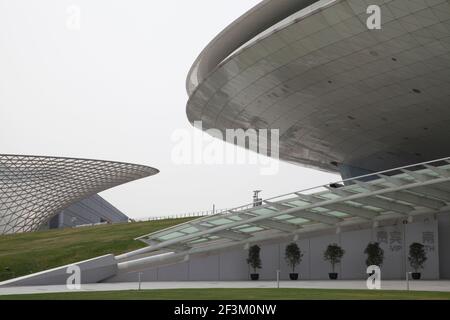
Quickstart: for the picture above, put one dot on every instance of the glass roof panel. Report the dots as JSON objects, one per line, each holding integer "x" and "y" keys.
{"x": 171, "y": 235}
{"x": 385, "y": 212}
{"x": 220, "y": 222}
{"x": 262, "y": 211}
{"x": 298, "y": 221}
{"x": 329, "y": 196}
{"x": 338, "y": 214}
{"x": 429, "y": 172}
{"x": 242, "y": 226}
{"x": 299, "y": 203}
{"x": 189, "y": 230}
{"x": 198, "y": 241}
{"x": 402, "y": 175}
{"x": 283, "y": 217}
{"x": 374, "y": 208}
{"x": 387, "y": 184}
{"x": 206, "y": 224}
{"x": 353, "y": 203}
{"x": 354, "y": 188}
{"x": 251, "y": 229}
{"x": 357, "y": 189}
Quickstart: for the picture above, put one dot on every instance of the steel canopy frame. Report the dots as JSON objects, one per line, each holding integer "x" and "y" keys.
{"x": 399, "y": 193}
{"x": 33, "y": 189}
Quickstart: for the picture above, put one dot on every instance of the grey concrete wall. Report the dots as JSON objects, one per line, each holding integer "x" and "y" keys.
{"x": 394, "y": 239}
{"x": 92, "y": 271}
{"x": 198, "y": 271}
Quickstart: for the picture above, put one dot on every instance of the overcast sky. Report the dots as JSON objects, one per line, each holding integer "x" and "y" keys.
{"x": 115, "y": 90}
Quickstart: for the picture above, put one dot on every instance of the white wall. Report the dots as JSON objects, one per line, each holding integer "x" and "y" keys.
{"x": 231, "y": 265}
{"x": 444, "y": 246}
{"x": 353, "y": 264}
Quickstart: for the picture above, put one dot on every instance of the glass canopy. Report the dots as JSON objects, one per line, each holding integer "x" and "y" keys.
{"x": 400, "y": 193}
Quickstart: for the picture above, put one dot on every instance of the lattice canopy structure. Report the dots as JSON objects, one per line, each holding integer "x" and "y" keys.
{"x": 33, "y": 188}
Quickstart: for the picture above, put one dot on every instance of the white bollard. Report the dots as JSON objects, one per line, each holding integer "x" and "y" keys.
{"x": 278, "y": 279}
{"x": 407, "y": 280}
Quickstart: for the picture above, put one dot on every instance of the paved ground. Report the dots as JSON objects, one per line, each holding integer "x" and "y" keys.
{"x": 340, "y": 284}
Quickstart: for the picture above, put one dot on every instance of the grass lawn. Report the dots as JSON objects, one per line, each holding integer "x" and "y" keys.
{"x": 238, "y": 294}
{"x": 27, "y": 253}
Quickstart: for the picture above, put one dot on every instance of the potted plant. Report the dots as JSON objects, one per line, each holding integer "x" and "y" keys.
{"x": 333, "y": 254}
{"x": 293, "y": 257}
{"x": 375, "y": 255}
{"x": 254, "y": 261}
{"x": 417, "y": 257}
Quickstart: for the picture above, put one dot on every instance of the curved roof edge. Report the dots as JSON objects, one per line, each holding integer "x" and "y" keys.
{"x": 151, "y": 171}
{"x": 253, "y": 22}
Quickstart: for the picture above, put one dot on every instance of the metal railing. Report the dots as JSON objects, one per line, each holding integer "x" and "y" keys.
{"x": 183, "y": 215}
{"x": 344, "y": 182}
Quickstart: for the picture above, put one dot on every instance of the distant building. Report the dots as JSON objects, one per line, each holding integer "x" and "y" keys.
{"x": 49, "y": 192}
{"x": 92, "y": 210}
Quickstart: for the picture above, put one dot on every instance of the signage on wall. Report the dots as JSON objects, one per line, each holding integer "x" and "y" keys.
{"x": 428, "y": 241}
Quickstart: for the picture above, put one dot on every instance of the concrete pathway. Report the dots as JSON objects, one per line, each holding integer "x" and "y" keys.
{"x": 340, "y": 284}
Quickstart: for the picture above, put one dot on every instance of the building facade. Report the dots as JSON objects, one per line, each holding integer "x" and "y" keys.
{"x": 346, "y": 98}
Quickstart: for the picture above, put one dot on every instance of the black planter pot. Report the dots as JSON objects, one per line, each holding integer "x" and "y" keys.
{"x": 333, "y": 275}
{"x": 254, "y": 276}
{"x": 293, "y": 276}
{"x": 416, "y": 275}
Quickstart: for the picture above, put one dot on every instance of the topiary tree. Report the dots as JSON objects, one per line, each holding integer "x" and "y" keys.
{"x": 254, "y": 259}
{"x": 293, "y": 255}
{"x": 417, "y": 256}
{"x": 333, "y": 254}
{"x": 375, "y": 255}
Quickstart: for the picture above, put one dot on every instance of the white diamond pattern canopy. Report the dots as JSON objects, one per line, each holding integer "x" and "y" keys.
{"x": 33, "y": 189}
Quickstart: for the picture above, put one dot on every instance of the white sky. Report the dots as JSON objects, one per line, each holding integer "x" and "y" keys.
{"x": 115, "y": 90}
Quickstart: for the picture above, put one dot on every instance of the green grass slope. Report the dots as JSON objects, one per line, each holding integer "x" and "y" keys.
{"x": 27, "y": 253}
{"x": 238, "y": 294}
